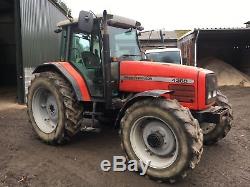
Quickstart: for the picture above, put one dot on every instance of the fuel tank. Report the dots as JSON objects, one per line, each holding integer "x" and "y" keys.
{"x": 187, "y": 82}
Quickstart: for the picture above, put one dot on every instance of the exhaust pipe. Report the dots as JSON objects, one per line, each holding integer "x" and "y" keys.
{"x": 106, "y": 63}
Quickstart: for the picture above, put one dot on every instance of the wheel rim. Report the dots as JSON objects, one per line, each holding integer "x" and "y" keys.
{"x": 153, "y": 140}
{"x": 45, "y": 110}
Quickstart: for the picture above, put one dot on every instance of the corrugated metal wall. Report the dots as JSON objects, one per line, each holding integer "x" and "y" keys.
{"x": 39, "y": 42}
{"x": 38, "y": 22}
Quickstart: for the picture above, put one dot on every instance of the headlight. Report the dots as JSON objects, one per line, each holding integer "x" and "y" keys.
{"x": 214, "y": 93}
{"x": 209, "y": 95}
{"x": 211, "y": 88}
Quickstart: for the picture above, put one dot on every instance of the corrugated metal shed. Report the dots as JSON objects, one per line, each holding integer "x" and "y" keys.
{"x": 39, "y": 42}
{"x": 38, "y": 22}
{"x": 29, "y": 25}
{"x": 231, "y": 45}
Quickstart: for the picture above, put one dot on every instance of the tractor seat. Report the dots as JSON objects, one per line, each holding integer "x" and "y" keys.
{"x": 90, "y": 60}
{"x": 92, "y": 71}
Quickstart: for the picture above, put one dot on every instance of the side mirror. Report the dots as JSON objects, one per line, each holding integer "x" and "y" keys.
{"x": 86, "y": 21}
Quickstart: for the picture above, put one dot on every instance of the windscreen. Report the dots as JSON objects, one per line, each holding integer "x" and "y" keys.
{"x": 123, "y": 43}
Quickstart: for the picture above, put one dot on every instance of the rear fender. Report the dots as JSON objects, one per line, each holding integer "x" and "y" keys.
{"x": 137, "y": 97}
{"x": 68, "y": 71}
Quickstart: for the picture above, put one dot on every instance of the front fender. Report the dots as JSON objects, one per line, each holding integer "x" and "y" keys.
{"x": 69, "y": 73}
{"x": 137, "y": 97}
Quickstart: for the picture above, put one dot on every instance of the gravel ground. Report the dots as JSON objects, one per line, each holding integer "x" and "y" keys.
{"x": 26, "y": 161}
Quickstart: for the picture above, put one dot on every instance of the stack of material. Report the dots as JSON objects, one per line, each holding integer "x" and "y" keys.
{"x": 227, "y": 75}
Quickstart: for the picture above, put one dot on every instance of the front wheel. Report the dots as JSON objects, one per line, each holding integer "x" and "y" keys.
{"x": 53, "y": 110}
{"x": 164, "y": 135}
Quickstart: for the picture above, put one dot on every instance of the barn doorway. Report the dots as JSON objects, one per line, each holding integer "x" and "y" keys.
{"x": 10, "y": 85}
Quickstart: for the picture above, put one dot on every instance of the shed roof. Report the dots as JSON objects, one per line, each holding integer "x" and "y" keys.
{"x": 219, "y": 32}
{"x": 116, "y": 18}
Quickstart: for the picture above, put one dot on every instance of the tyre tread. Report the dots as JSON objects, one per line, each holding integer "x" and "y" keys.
{"x": 73, "y": 109}
{"x": 186, "y": 118}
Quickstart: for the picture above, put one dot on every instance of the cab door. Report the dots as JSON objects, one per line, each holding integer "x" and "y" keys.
{"x": 85, "y": 55}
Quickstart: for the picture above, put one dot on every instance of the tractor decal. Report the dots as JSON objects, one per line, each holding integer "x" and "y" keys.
{"x": 158, "y": 79}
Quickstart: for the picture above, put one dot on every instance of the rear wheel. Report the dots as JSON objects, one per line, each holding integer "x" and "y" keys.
{"x": 164, "y": 133}
{"x": 52, "y": 108}
{"x": 215, "y": 132}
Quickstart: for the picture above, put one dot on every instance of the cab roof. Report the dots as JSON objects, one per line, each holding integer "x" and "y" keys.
{"x": 114, "y": 18}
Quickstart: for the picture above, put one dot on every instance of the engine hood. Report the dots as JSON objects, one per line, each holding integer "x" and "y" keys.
{"x": 187, "y": 83}
{"x": 158, "y": 69}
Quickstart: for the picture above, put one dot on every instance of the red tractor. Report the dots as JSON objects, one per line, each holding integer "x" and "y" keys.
{"x": 165, "y": 112}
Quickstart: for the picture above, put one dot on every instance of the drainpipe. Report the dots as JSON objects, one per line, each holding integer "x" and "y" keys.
{"x": 195, "y": 48}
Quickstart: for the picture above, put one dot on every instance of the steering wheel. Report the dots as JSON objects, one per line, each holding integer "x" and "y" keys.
{"x": 90, "y": 60}
{"x": 78, "y": 58}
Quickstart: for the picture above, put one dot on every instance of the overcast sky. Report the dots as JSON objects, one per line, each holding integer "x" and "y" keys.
{"x": 172, "y": 14}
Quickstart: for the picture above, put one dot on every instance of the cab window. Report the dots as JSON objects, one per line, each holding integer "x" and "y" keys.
{"x": 85, "y": 55}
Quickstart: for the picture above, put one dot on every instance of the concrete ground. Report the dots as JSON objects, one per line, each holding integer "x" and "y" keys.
{"x": 26, "y": 161}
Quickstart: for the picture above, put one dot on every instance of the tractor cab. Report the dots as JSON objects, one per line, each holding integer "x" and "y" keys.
{"x": 91, "y": 42}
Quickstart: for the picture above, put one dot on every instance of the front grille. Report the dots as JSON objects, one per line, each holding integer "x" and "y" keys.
{"x": 183, "y": 93}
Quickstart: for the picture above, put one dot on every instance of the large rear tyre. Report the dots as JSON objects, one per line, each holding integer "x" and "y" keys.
{"x": 214, "y": 132}
{"x": 164, "y": 133}
{"x": 53, "y": 110}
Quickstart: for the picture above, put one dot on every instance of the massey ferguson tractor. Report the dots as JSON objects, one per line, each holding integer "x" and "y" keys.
{"x": 165, "y": 112}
